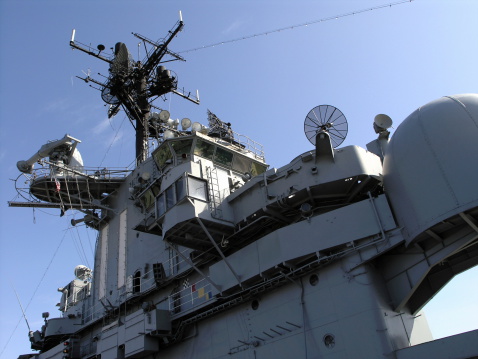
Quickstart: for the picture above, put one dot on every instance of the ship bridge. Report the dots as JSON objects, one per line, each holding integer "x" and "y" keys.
{"x": 199, "y": 172}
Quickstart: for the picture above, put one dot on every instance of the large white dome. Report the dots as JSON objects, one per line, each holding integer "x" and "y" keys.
{"x": 431, "y": 163}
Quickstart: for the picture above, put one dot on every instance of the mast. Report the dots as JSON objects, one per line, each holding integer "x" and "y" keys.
{"x": 133, "y": 86}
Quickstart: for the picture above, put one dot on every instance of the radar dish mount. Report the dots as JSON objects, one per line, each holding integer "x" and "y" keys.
{"x": 329, "y": 119}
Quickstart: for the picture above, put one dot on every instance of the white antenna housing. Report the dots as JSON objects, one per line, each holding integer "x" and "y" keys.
{"x": 382, "y": 122}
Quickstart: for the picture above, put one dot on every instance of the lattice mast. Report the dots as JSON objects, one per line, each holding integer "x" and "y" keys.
{"x": 133, "y": 86}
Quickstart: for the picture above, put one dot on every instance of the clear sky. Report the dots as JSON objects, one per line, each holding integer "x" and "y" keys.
{"x": 390, "y": 60}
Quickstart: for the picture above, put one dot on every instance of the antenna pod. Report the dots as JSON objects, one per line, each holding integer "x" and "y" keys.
{"x": 382, "y": 123}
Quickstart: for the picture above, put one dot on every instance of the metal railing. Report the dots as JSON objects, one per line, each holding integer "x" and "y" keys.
{"x": 190, "y": 296}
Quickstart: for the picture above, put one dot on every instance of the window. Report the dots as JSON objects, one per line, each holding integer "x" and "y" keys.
{"x": 241, "y": 164}
{"x": 204, "y": 149}
{"x": 162, "y": 154}
{"x": 170, "y": 197}
{"x": 180, "y": 189}
{"x": 160, "y": 205}
{"x": 182, "y": 147}
{"x": 197, "y": 188}
{"x": 223, "y": 157}
{"x": 257, "y": 169}
{"x": 148, "y": 199}
{"x": 137, "y": 282}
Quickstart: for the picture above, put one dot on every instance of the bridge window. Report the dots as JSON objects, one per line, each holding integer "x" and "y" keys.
{"x": 204, "y": 149}
{"x": 196, "y": 188}
{"x": 182, "y": 147}
{"x": 160, "y": 205}
{"x": 257, "y": 169}
{"x": 223, "y": 157}
{"x": 162, "y": 155}
{"x": 241, "y": 164}
{"x": 148, "y": 197}
{"x": 180, "y": 189}
{"x": 170, "y": 197}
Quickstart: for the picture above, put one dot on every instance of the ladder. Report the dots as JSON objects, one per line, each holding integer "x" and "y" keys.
{"x": 214, "y": 193}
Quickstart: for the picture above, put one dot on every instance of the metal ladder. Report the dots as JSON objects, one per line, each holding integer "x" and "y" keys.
{"x": 214, "y": 193}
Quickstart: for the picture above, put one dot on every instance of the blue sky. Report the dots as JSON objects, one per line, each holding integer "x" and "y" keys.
{"x": 390, "y": 60}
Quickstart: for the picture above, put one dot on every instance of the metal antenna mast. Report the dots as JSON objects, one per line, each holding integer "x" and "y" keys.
{"x": 21, "y": 307}
{"x": 135, "y": 85}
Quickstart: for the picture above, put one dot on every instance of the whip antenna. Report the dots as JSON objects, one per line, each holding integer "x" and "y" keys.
{"x": 20, "y": 303}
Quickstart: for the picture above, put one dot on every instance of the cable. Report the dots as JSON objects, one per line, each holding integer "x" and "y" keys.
{"x": 34, "y": 292}
{"x": 112, "y": 142}
{"x": 292, "y": 27}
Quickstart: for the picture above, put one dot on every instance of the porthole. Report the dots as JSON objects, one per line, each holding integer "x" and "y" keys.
{"x": 255, "y": 304}
{"x": 314, "y": 280}
{"x": 329, "y": 341}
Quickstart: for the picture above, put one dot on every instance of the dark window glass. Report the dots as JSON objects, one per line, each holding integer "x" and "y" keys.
{"x": 204, "y": 149}
{"x": 257, "y": 169}
{"x": 160, "y": 205}
{"x": 241, "y": 164}
{"x": 148, "y": 199}
{"x": 137, "y": 282}
{"x": 180, "y": 189}
{"x": 182, "y": 147}
{"x": 155, "y": 189}
{"x": 223, "y": 157}
{"x": 162, "y": 154}
{"x": 170, "y": 200}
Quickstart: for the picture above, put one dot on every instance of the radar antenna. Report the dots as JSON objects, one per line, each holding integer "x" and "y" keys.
{"x": 326, "y": 118}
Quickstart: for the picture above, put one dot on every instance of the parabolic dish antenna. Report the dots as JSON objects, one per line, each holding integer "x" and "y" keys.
{"x": 326, "y": 118}
{"x": 109, "y": 97}
{"x": 382, "y": 123}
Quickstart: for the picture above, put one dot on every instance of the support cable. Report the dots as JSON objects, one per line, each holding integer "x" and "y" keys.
{"x": 34, "y": 292}
{"x": 292, "y": 27}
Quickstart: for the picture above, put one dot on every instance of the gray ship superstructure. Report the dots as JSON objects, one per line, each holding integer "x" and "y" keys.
{"x": 204, "y": 251}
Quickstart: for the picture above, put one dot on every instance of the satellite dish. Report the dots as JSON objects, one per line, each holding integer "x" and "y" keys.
{"x": 382, "y": 122}
{"x": 164, "y": 115}
{"x": 100, "y": 47}
{"x": 109, "y": 97}
{"x": 326, "y": 118}
{"x": 185, "y": 123}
